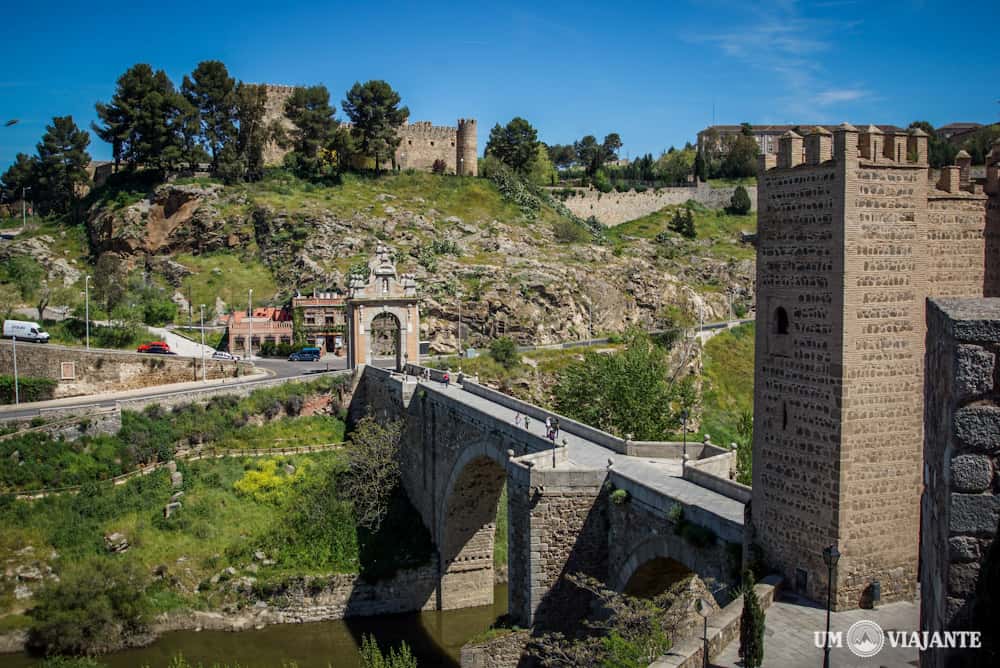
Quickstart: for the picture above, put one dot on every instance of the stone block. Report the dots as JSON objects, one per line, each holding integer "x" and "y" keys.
{"x": 974, "y": 513}
{"x": 962, "y": 579}
{"x": 978, "y": 428}
{"x": 973, "y": 371}
{"x": 971, "y": 473}
{"x": 963, "y": 548}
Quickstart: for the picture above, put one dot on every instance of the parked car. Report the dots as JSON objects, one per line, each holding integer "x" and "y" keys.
{"x": 25, "y": 330}
{"x": 155, "y": 348}
{"x": 223, "y": 355}
{"x": 305, "y": 355}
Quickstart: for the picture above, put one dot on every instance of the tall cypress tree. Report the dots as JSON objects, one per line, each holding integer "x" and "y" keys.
{"x": 62, "y": 164}
{"x": 751, "y": 626}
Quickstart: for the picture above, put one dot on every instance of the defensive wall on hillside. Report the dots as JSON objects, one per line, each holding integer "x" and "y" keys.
{"x": 460, "y": 446}
{"x": 79, "y": 371}
{"x": 421, "y": 143}
{"x": 614, "y": 208}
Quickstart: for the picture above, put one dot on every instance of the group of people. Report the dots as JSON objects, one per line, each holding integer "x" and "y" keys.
{"x": 551, "y": 425}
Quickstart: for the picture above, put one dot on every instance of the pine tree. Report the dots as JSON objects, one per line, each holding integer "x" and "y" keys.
{"x": 739, "y": 203}
{"x": 310, "y": 111}
{"x": 514, "y": 144}
{"x": 144, "y": 120}
{"x": 62, "y": 164}
{"x": 373, "y": 108}
{"x": 212, "y": 92}
{"x": 20, "y": 176}
{"x": 751, "y": 626}
{"x": 244, "y": 158}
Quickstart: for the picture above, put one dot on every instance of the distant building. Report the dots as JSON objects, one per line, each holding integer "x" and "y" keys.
{"x": 267, "y": 325}
{"x": 322, "y": 320}
{"x": 956, "y": 129}
{"x": 766, "y": 135}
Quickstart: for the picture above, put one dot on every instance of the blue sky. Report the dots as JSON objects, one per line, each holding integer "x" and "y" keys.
{"x": 651, "y": 71}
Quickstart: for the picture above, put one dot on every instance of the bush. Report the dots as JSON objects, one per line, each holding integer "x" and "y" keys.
{"x": 439, "y": 166}
{"x": 511, "y": 186}
{"x": 619, "y": 497}
{"x": 568, "y": 232}
{"x": 739, "y": 203}
{"x": 372, "y": 657}
{"x": 29, "y": 388}
{"x": 504, "y": 351}
{"x": 97, "y": 606}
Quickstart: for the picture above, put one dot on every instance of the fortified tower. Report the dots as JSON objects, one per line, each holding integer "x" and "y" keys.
{"x": 852, "y": 239}
{"x": 466, "y": 151}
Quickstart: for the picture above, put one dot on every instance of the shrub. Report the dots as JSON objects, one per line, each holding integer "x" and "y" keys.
{"x": 568, "y": 232}
{"x": 619, "y": 497}
{"x": 97, "y": 606}
{"x": 29, "y": 388}
{"x": 439, "y": 166}
{"x": 372, "y": 657}
{"x": 504, "y": 351}
{"x": 511, "y": 186}
{"x": 739, "y": 203}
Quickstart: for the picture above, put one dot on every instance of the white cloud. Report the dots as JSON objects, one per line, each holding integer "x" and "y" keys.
{"x": 828, "y": 97}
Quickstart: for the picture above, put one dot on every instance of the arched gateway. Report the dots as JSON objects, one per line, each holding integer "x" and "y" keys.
{"x": 383, "y": 315}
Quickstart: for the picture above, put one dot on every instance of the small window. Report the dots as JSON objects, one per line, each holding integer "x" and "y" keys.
{"x": 781, "y": 320}
{"x": 432, "y": 143}
{"x": 784, "y": 415}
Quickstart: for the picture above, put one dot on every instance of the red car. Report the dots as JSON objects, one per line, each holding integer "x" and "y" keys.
{"x": 159, "y": 347}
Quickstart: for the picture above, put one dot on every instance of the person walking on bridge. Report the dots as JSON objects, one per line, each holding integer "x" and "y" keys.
{"x": 446, "y": 379}
{"x": 517, "y": 419}
{"x": 555, "y": 429}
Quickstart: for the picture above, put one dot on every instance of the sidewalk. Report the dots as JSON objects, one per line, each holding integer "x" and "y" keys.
{"x": 791, "y": 622}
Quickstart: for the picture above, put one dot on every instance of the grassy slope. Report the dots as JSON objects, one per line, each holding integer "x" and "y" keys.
{"x": 226, "y": 275}
{"x": 728, "y": 388}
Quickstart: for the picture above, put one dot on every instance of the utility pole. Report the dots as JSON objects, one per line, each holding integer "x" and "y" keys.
{"x": 24, "y": 214}
{"x": 17, "y": 392}
{"x": 86, "y": 301}
{"x": 203, "y": 373}
{"x": 461, "y": 352}
{"x": 250, "y": 324}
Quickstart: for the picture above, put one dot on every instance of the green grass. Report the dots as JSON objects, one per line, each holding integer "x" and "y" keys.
{"x": 718, "y": 233}
{"x": 213, "y": 338}
{"x": 729, "y": 183}
{"x": 728, "y": 382}
{"x": 226, "y": 275}
{"x": 73, "y": 332}
{"x": 287, "y": 433}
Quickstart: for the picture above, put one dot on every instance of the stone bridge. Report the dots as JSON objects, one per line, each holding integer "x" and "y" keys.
{"x": 461, "y": 445}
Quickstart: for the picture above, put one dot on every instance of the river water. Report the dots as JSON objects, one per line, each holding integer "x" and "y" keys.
{"x": 436, "y": 638}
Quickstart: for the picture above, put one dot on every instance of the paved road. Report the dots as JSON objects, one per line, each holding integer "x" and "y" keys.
{"x": 661, "y": 475}
{"x": 181, "y": 345}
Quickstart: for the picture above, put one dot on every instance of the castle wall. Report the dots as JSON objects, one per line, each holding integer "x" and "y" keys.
{"x": 421, "y": 143}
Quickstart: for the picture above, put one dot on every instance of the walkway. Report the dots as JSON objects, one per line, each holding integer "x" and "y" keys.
{"x": 791, "y": 622}
{"x": 660, "y": 475}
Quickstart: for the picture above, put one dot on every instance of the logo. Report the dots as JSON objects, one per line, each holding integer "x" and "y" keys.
{"x": 865, "y": 638}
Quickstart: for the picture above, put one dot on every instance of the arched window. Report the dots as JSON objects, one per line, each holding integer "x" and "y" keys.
{"x": 781, "y": 320}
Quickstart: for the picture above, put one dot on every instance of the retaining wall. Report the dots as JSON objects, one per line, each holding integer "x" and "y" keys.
{"x": 615, "y": 208}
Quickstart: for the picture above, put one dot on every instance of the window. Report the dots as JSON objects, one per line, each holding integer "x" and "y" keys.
{"x": 432, "y": 143}
{"x": 784, "y": 415}
{"x": 781, "y": 320}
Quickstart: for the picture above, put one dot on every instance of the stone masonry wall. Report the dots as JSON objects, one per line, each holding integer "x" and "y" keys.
{"x": 614, "y": 208}
{"x": 961, "y": 499}
{"x": 97, "y": 371}
{"x": 502, "y": 652}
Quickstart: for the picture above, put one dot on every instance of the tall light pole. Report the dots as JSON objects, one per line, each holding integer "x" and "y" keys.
{"x": 830, "y": 555}
{"x": 684, "y": 431}
{"x": 203, "y": 373}
{"x": 24, "y": 197}
{"x": 461, "y": 352}
{"x": 17, "y": 391}
{"x": 250, "y": 325}
{"x": 86, "y": 301}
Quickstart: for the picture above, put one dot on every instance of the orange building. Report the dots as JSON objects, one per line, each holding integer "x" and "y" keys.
{"x": 267, "y": 325}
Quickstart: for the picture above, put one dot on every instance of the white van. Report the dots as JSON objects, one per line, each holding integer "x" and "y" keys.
{"x": 25, "y": 330}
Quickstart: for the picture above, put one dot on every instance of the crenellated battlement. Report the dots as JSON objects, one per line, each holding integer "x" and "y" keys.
{"x": 871, "y": 146}
{"x": 427, "y": 130}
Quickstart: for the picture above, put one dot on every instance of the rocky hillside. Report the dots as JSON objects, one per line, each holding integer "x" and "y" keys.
{"x": 538, "y": 277}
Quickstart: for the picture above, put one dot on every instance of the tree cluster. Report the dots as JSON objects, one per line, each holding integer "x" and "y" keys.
{"x": 731, "y": 157}
{"x": 941, "y": 152}
{"x": 515, "y": 145}
{"x": 631, "y": 391}
{"x": 373, "y": 473}
{"x": 682, "y": 222}
{"x": 54, "y": 176}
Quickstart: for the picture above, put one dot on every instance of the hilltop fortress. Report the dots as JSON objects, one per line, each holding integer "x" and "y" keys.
{"x": 421, "y": 144}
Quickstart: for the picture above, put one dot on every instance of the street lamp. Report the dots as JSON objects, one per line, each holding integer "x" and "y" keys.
{"x": 86, "y": 301}
{"x": 203, "y": 373}
{"x": 831, "y": 555}
{"x": 705, "y": 610}
{"x": 461, "y": 353}
{"x": 250, "y": 325}
{"x": 17, "y": 391}
{"x": 684, "y": 431}
{"x": 24, "y": 197}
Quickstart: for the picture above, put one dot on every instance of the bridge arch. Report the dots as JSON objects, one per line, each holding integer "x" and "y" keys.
{"x": 466, "y": 526}
{"x": 660, "y": 560}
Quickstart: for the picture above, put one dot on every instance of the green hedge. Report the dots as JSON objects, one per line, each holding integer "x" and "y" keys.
{"x": 29, "y": 388}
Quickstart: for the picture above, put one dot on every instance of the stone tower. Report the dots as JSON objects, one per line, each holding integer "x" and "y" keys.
{"x": 466, "y": 150}
{"x": 852, "y": 239}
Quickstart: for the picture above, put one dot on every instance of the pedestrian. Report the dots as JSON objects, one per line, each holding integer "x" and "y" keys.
{"x": 526, "y": 423}
{"x": 427, "y": 374}
{"x": 446, "y": 379}
{"x": 555, "y": 427}
{"x": 517, "y": 419}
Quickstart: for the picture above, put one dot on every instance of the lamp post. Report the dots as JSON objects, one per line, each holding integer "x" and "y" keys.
{"x": 86, "y": 301}
{"x": 17, "y": 391}
{"x": 461, "y": 166}
{"x": 684, "y": 431}
{"x": 704, "y": 609}
{"x": 204, "y": 375}
{"x": 24, "y": 197}
{"x": 250, "y": 325}
{"x": 830, "y": 556}
{"x": 461, "y": 353}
